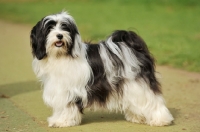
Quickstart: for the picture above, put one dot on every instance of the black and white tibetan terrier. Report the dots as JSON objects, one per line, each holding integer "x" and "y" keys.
{"x": 117, "y": 74}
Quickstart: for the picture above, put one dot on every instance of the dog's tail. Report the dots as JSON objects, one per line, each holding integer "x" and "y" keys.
{"x": 140, "y": 50}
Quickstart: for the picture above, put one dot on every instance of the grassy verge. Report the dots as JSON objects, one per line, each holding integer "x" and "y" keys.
{"x": 170, "y": 28}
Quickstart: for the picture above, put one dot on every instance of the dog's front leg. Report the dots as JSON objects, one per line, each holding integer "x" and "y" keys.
{"x": 65, "y": 112}
{"x": 65, "y": 117}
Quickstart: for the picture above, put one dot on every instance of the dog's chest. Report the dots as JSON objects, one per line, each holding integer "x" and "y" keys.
{"x": 69, "y": 72}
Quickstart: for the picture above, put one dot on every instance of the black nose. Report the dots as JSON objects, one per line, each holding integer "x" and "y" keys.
{"x": 59, "y": 36}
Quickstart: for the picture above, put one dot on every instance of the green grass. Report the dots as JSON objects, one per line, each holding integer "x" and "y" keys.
{"x": 169, "y": 27}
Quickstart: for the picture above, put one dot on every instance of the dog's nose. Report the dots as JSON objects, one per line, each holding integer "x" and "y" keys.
{"x": 59, "y": 36}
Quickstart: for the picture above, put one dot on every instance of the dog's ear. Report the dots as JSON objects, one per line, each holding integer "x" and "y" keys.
{"x": 77, "y": 47}
{"x": 38, "y": 41}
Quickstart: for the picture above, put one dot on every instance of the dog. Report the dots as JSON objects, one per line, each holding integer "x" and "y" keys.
{"x": 117, "y": 74}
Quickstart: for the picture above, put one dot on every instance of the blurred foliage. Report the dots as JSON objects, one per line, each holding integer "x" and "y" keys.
{"x": 170, "y": 27}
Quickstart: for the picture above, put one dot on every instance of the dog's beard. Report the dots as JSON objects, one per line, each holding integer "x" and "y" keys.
{"x": 58, "y": 47}
{"x": 55, "y": 51}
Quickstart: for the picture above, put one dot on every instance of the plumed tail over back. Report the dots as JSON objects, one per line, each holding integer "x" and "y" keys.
{"x": 139, "y": 48}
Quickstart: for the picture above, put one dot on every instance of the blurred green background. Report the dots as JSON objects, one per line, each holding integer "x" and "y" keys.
{"x": 171, "y": 28}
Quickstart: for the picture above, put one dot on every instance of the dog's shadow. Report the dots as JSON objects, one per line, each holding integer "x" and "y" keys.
{"x": 13, "y": 89}
{"x": 90, "y": 117}
{"x": 101, "y": 116}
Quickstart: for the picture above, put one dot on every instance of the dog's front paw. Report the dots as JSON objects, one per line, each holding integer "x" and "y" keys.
{"x": 58, "y": 124}
{"x": 53, "y": 122}
{"x": 61, "y": 122}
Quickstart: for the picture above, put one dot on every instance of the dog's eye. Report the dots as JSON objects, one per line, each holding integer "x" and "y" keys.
{"x": 48, "y": 29}
{"x": 65, "y": 27}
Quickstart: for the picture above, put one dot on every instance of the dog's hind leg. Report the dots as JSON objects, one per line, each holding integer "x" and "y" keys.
{"x": 134, "y": 116}
{"x": 142, "y": 105}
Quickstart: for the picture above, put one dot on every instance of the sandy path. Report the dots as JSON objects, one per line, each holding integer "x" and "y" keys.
{"x": 22, "y": 109}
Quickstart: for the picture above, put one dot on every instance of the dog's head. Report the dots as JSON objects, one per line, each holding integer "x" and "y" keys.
{"x": 55, "y": 35}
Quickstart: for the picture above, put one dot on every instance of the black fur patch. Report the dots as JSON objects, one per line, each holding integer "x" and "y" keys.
{"x": 100, "y": 88}
{"x": 79, "y": 104}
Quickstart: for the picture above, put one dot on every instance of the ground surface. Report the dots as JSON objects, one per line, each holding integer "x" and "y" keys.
{"x": 22, "y": 108}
